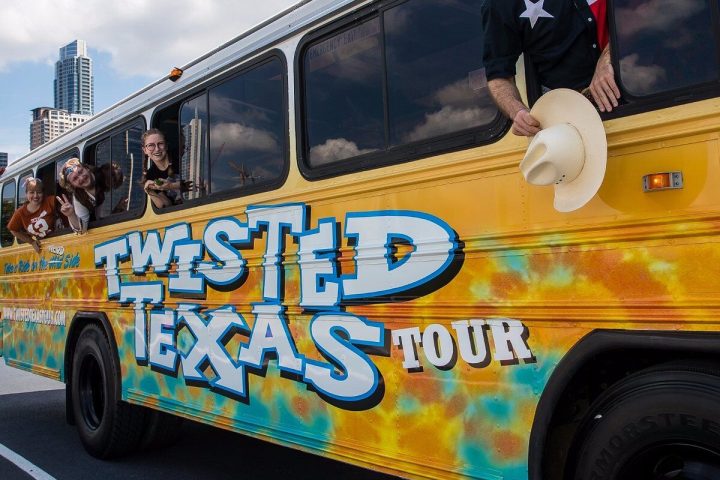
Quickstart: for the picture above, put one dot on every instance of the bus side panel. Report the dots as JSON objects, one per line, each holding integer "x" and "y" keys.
{"x": 440, "y": 377}
{"x": 33, "y": 332}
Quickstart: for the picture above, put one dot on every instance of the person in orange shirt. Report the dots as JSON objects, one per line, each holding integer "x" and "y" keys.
{"x": 37, "y": 216}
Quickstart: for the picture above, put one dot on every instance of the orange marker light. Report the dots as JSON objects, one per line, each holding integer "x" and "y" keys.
{"x": 662, "y": 181}
{"x": 175, "y": 74}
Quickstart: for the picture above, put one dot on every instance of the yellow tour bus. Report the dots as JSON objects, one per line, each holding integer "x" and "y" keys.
{"x": 372, "y": 268}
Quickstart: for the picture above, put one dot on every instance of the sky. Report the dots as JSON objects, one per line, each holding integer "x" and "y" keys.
{"x": 132, "y": 44}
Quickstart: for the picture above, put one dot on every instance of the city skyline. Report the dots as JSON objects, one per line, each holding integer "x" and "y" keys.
{"x": 130, "y": 47}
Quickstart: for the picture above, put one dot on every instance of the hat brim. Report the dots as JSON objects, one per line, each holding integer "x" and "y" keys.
{"x": 563, "y": 105}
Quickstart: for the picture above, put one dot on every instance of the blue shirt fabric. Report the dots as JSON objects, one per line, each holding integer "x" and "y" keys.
{"x": 563, "y": 49}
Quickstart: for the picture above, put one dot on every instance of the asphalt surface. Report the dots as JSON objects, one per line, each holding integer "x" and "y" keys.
{"x": 32, "y": 425}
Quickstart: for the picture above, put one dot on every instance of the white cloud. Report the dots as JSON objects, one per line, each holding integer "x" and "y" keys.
{"x": 144, "y": 37}
{"x": 335, "y": 149}
{"x": 450, "y": 119}
{"x": 236, "y": 137}
{"x": 640, "y": 79}
{"x": 656, "y": 15}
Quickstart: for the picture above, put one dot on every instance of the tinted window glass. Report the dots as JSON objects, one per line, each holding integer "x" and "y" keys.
{"x": 194, "y": 165}
{"x": 247, "y": 129}
{"x": 8, "y": 208}
{"x": 413, "y": 73}
{"x": 344, "y": 94}
{"x": 118, "y": 161}
{"x": 664, "y": 47}
{"x": 436, "y": 80}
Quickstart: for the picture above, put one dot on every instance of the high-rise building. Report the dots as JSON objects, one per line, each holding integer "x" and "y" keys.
{"x": 49, "y": 123}
{"x": 3, "y": 159}
{"x": 74, "y": 90}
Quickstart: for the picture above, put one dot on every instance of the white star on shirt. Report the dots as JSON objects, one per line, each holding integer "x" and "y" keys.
{"x": 534, "y": 11}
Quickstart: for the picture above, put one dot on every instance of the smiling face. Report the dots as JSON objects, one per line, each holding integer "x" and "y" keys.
{"x": 156, "y": 148}
{"x": 34, "y": 194}
{"x": 79, "y": 177}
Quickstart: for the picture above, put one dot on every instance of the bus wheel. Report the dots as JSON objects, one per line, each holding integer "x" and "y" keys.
{"x": 660, "y": 423}
{"x": 107, "y": 426}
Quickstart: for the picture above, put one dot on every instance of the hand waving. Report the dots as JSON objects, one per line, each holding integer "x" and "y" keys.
{"x": 66, "y": 206}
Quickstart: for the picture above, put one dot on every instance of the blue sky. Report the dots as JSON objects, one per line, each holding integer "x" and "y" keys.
{"x": 132, "y": 44}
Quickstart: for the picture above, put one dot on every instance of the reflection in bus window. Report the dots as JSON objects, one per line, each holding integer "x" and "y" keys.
{"x": 663, "y": 48}
{"x": 435, "y": 84}
{"x": 435, "y": 74}
{"x": 344, "y": 103}
{"x": 8, "y": 208}
{"x": 247, "y": 128}
{"x": 118, "y": 169}
{"x": 193, "y": 146}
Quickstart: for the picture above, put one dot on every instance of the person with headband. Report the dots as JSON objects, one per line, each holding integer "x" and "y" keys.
{"x": 36, "y": 218}
{"x": 88, "y": 186}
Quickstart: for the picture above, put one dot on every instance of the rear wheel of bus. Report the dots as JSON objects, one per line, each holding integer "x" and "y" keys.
{"x": 108, "y": 427}
{"x": 659, "y": 423}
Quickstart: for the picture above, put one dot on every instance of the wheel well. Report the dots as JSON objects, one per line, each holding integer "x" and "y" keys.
{"x": 598, "y": 361}
{"x": 80, "y": 321}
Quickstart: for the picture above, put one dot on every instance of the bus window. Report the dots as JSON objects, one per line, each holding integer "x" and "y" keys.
{"x": 8, "y": 208}
{"x": 118, "y": 161}
{"x": 412, "y": 74}
{"x": 50, "y": 174}
{"x": 344, "y": 95}
{"x": 193, "y": 146}
{"x": 435, "y": 76}
{"x": 234, "y": 135}
{"x": 247, "y": 128}
{"x": 663, "y": 49}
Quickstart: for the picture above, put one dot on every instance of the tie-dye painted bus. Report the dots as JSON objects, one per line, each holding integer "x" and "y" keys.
{"x": 362, "y": 271}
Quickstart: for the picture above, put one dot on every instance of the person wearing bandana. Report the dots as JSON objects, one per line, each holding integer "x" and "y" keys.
{"x": 566, "y": 41}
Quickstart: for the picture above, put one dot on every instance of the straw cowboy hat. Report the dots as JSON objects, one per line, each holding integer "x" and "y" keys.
{"x": 570, "y": 152}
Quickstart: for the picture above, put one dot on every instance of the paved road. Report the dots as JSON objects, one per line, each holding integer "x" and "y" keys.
{"x": 32, "y": 425}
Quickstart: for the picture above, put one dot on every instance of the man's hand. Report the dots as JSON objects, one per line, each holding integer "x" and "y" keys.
{"x": 507, "y": 98}
{"x": 525, "y": 124}
{"x": 603, "y": 87}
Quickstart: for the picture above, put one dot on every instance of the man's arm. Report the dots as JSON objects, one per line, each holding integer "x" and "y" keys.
{"x": 507, "y": 98}
{"x": 603, "y": 87}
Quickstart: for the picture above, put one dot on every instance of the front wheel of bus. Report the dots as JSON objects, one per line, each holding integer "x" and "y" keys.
{"x": 661, "y": 423}
{"x": 107, "y": 426}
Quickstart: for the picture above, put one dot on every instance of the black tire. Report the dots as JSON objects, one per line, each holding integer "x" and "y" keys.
{"x": 108, "y": 427}
{"x": 161, "y": 430}
{"x": 660, "y": 423}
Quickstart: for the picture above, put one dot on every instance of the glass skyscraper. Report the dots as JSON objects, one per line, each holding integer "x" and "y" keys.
{"x": 74, "y": 90}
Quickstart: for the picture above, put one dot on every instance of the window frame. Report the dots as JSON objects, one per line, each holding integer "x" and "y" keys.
{"x": 656, "y": 101}
{"x": 392, "y": 155}
{"x": 91, "y": 145}
{"x": 203, "y": 89}
{"x": 4, "y": 226}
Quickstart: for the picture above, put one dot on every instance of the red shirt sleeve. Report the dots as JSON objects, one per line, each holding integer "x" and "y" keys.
{"x": 16, "y": 223}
